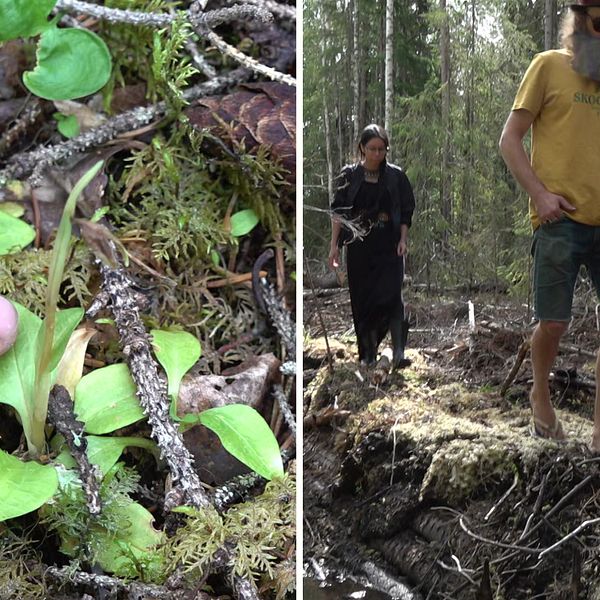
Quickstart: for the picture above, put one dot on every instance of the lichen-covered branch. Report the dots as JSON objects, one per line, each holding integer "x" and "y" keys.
{"x": 151, "y": 388}
{"x": 196, "y": 14}
{"x": 24, "y": 164}
{"x": 61, "y": 415}
{"x": 115, "y": 15}
{"x": 239, "y": 12}
{"x": 285, "y": 409}
{"x": 244, "y": 60}
{"x": 280, "y": 316}
{"x": 135, "y": 589}
{"x": 283, "y": 11}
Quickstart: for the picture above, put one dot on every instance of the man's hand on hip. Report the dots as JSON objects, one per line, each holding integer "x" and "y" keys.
{"x": 550, "y": 207}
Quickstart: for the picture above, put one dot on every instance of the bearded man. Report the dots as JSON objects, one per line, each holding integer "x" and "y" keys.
{"x": 559, "y": 99}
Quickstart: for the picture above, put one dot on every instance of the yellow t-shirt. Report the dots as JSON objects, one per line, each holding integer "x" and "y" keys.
{"x": 565, "y": 133}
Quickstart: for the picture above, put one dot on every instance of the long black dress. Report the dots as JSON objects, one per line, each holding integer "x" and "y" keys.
{"x": 375, "y": 271}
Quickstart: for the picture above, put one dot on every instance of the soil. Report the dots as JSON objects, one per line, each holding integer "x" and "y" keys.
{"x": 433, "y": 475}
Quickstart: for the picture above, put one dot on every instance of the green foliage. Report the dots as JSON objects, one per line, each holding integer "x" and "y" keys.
{"x": 243, "y": 222}
{"x": 23, "y": 18}
{"x": 18, "y": 369}
{"x": 131, "y": 45}
{"x": 244, "y": 434}
{"x": 24, "y": 276}
{"x": 106, "y": 399}
{"x": 67, "y": 125}
{"x": 121, "y": 539}
{"x": 177, "y": 352}
{"x": 171, "y": 66}
{"x": 24, "y": 486}
{"x": 14, "y": 234}
{"x": 71, "y": 63}
{"x": 175, "y": 196}
{"x": 258, "y": 531}
{"x": 104, "y": 452}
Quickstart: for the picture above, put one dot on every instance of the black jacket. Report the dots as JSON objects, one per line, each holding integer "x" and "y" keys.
{"x": 398, "y": 187}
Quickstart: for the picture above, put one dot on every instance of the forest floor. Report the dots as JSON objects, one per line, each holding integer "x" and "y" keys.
{"x": 429, "y": 484}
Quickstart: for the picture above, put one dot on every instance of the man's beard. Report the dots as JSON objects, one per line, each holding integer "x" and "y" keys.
{"x": 586, "y": 58}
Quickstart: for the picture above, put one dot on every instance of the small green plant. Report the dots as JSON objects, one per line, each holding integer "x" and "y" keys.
{"x": 243, "y": 222}
{"x": 14, "y": 233}
{"x": 121, "y": 539}
{"x": 241, "y": 429}
{"x": 71, "y": 63}
{"x": 27, "y": 370}
{"x": 66, "y": 124}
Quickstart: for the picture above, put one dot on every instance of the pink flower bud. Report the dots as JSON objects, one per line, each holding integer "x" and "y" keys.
{"x": 9, "y": 321}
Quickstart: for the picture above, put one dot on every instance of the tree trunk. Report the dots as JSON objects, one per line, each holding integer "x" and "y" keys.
{"x": 446, "y": 208}
{"x": 356, "y": 110}
{"x": 550, "y": 28}
{"x": 389, "y": 63}
{"x": 328, "y": 150}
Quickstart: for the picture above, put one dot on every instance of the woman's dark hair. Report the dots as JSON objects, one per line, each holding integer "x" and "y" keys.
{"x": 370, "y": 132}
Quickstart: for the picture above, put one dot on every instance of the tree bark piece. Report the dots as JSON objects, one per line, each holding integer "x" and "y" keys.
{"x": 61, "y": 415}
{"x": 152, "y": 392}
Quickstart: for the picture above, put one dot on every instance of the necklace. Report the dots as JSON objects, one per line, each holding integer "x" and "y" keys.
{"x": 371, "y": 175}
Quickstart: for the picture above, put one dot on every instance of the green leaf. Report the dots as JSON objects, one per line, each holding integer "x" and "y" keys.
{"x": 133, "y": 544}
{"x": 106, "y": 451}
{"x": 105, "y": 400}
{"x": 177, "y": 352}
{"x": 17, "y": 368}
{"x": 243, "y": 222}
{"x": 71, "y": 63}
{"x": 24, "y": 486}
{"x": 13, "y": 209}
{"x": 14, "y": 234}
{"x": 23, "y": 18}
{"x": 67, "y": 125}
{"x": 66, "y": 322}
{"x": 245, "y": 435}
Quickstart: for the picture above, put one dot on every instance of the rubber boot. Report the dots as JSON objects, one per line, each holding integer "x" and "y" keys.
{"x": 399, "y": 332}
{"x": 372, "y": 354}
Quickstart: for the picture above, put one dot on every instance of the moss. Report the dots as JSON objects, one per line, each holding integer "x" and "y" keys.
{"x": 21, "y": 575}
{"x": 175, "y": 198}
{"x": 466, "y": 441}
{"x": 24, "y": 277}
{"x": 259, "y": 534}
{"x": 130, "y": 45}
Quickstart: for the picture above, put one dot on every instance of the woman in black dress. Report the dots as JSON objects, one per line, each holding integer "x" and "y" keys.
{"x": 379, "y": 198}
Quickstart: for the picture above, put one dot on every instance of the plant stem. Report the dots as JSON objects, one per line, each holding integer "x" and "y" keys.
{"x": 43, "y": 368}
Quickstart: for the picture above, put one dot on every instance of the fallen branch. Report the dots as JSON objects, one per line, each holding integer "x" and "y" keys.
{"x": 134, "y": 588}
{"x": 61, "y": 415}
{"x": 494, "y": 542}
{"x": 27, "y": 163}
{"x": 571, "y": 535}
{"x": 151, "y": 388}
{"x": 285, "y": 409}
{"x": 523, "y": 349}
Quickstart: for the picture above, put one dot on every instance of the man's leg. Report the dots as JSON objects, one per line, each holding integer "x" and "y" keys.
{"x": 595, "y": 445}
{"x": 544, "y": 348}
